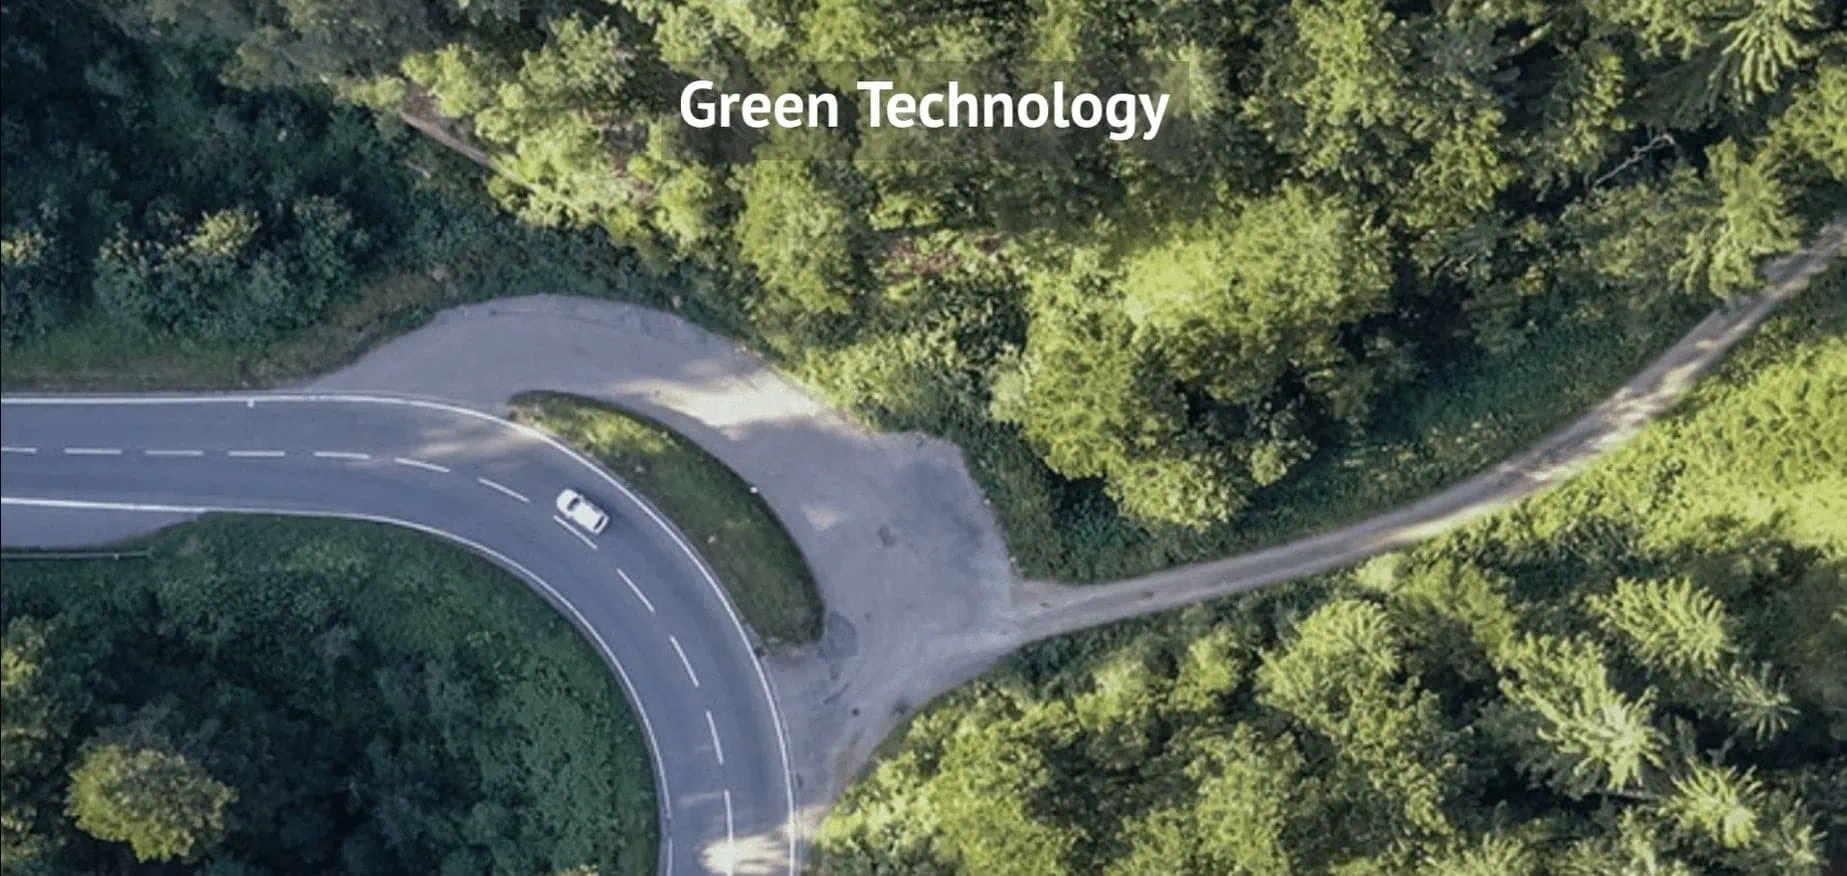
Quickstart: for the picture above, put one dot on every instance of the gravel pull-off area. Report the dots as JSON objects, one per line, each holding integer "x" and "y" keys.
{"x": 906, "y": 554}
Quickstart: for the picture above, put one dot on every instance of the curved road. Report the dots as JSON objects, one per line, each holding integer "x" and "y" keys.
{"x": 75, "y": 467}
{"x": 908, "y": 561}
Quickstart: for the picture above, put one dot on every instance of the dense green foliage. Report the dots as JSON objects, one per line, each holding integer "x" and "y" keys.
{"x": 1144, "y": 351}
{"x": 163, "y": 229}
{"x": 259, "y": 696}
{"x": 1402, "y": 238}
{"x": 750, "y": 552}
{"x": 158, "y": 801}
{"x": 1643, "y": 671}
{"x": 138, "y": 185}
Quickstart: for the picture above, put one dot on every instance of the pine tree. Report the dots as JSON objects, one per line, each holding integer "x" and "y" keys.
{"x": 1572, "y": 728}
{"x": 1672, "y": 626}
{"x": 1753, "y": 220}
{"x": 1342, "y": 675}
{"x": 1764, "y": 44}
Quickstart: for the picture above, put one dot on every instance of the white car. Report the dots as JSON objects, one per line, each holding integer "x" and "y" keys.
{"x": 581, "y": 511}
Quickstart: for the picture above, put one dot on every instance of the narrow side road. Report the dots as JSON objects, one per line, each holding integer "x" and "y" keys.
{"x": 909, "y": 560}
{"x": 1043, "y": 609}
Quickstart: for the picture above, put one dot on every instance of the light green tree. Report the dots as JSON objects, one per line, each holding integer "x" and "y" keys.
{"x": 159, "y": 801}
{"x": 803, "y": 227}
{"x": 1572, "y": 727}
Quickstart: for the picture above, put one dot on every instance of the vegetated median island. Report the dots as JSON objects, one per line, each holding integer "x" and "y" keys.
{"x": 270, "y": 696}
{"x": 754, "y": 557}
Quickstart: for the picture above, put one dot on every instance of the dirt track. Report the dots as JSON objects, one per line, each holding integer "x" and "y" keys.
{"x": 1042, "y": 609}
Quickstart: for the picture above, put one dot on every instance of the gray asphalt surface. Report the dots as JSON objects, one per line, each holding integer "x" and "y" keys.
{"x": 81, "y": 470}
{"x": 910, "y": 563}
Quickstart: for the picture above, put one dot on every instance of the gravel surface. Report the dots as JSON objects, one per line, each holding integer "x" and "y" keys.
{"x": 913, "y": 569}
{"x": 907, "y": 556}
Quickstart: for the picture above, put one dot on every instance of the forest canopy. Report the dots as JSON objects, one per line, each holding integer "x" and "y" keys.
{"x": 1643, "y": 671}
{"x": 1406, "y": 233}
{"x": 258, "y": 696}
{"x": 1144, "y": 354}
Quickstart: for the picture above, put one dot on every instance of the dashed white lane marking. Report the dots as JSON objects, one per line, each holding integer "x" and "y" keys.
{"x": 731, "y": 839}
{"x": 502, "y": 489}
{"x": 622, "y": 675}
{"x": 256, "y": 454}
{"x": 341, "y": 454}
{"x": 92, "y": 451}
{"x": 683, "y": 661}
{"x": 11, "y": 449}
{"x": 718, "y": 748}
{"x": 175, "y": 453}
{"x": 769, "y": 694}
{"x": 636, "y": 590}
{"x": 573, "y": 530}
{"x": 418, "y": 463}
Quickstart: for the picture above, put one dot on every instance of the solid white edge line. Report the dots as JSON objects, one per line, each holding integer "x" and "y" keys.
{"x": 177, "y": 453}
{"x": 671, "y": 640}
{"x": 718, "y": 748}
{"x": 573, "y": 530}
{"x": 92, "y": 451}
{"x": 11, "y": 449}
{"x": 342, "y": 454}
{"x": 502, "y": 489}
{"x": 418, "y": 463}
{"x": 711, "y": 580}
{"x": 256, "y": 454}
{"x": 791, "y": 829}
{"x": 1748, "y": 320}
{"x": 505, "y": 562}
{"x": 645, "y": 601}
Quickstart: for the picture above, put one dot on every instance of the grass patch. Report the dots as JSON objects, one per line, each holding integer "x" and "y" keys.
{"x": 750, "y": 551}
{"x": 364, "y": 689}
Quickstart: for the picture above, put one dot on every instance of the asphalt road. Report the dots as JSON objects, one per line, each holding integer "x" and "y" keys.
{"x": 919, "y": 596}
{"x": 84, "y": 469}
